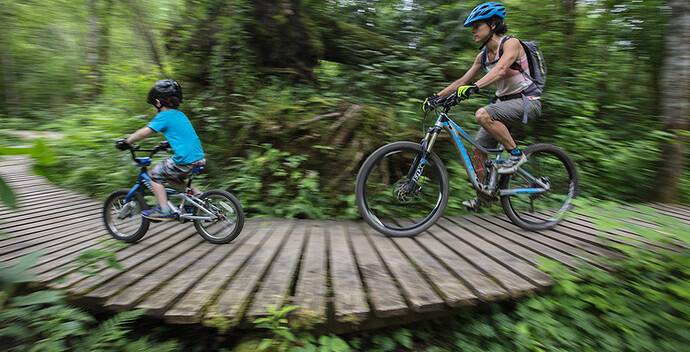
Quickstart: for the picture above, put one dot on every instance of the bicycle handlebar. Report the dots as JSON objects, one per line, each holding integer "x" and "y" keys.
{"x": 162, "y": 146}
{"x": 449, "y": 100}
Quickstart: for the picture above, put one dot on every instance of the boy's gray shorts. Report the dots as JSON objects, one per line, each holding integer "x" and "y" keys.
{"x": 509, "y": 113}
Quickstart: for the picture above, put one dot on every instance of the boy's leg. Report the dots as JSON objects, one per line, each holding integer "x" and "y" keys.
{"x": 161, "y": 195}
{"x": 159, "y": 174}
{"x": 182, "y": 186}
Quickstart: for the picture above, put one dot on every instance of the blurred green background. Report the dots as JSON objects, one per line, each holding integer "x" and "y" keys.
{"x": 290, "y": 96}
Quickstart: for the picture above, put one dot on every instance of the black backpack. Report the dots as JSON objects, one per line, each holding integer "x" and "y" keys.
{"x": 535, "y": 61}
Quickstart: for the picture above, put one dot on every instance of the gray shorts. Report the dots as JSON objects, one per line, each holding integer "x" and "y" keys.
{"x": 168, "y": 170}
{"x": 509, "y": 113}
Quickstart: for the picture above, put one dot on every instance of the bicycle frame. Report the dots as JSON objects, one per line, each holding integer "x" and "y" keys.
{"x": 144, "y": 182}
{"x": 445, "y": 122}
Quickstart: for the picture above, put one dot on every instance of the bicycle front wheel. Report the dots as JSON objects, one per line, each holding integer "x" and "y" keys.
{"x": 229, "y": 217}
{"x": 123, "y": 219}
{"x": 385, "y": 196}
{"x": 549, "y": 165}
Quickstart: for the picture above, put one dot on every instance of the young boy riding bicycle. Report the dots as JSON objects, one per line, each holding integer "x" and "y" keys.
{"x": 166, "y": 96}
{"x": 518, "y": 96}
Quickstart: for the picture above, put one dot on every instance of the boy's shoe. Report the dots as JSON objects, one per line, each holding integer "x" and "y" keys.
{"x": 157, "y": 213}
{"x": 512, "y": 163}
{"x": 472, "y": 205}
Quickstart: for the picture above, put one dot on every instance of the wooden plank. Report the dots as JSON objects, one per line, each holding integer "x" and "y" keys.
{"x": 133, "y": 275}
{"x": 160, "y": 300}
{"x": 48, "y": 242}
{"x": 383, "y": 293}
{"x": 154, "y": 247}
{"x": 189, "y": 308}
{"x": 440, "y": 243}
{"x": 492, "y": 260}
{"x": 50, "y": 223}
{"x": 235, "y": 297}
{"x": 454, "y": 292}
{"x": 349, "y": 298}
{"x": 29, "y": 207}
{"x": 127, "y": 298}
{"x": 537, "y": 237}
{"x": 311, "y": 289}
{"x": 567, "y": 237}
{"x": 417, "y": 291}
{"x": 275, "y": 285}
{"x": 504, "y": 240}
{"x": 64, "y": 255}
{"x": 671, "y": 210}
{"x": 583, "y": 224}
{"x": 56, "y": 210}
{"x": 157, "y": 237}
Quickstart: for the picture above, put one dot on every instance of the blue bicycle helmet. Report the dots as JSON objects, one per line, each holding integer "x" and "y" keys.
{"x": 486, "y": 11}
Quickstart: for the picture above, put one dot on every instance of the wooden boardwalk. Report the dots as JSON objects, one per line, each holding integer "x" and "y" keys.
{"x": 342, "y": 274}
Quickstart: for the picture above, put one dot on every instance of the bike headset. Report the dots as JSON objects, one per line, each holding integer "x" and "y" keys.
{"x": 168, "y": 93}
{"x": 488, "y": 11}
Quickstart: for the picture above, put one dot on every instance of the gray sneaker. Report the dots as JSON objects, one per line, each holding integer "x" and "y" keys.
{"x": 472, "y": 204}
{"x": 512, "y": 163}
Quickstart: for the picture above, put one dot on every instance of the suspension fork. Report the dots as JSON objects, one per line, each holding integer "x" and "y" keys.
{"x": 421, "y": 159}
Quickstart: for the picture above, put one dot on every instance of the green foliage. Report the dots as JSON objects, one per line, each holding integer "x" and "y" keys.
{"x": 601, "y": 102}
{"x": 269, "y": 177}
{"x": 43, "y": 321}
{"x": 92, "y": 260}
{"x": 7, "y": 197}
{"x": 276, "y": 322}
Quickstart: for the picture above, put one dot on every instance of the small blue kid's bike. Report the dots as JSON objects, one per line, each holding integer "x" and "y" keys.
{"x": 217, "y": 215}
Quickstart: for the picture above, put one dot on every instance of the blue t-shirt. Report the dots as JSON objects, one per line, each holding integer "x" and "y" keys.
{"x": 179, "y": 132}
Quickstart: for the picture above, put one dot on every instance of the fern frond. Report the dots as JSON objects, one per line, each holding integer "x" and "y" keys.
{"x": 109, "y": 331}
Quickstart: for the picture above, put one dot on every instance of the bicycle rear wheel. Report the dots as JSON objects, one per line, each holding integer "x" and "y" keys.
{"x": 382, "y": 197}
{"x": 539, "y": 211}
{"x": 122, "y": 219}
{"x": 229, "y": 217}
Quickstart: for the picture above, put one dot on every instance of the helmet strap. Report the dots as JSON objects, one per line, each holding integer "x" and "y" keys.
{"x": 486, "y": 41}
{"x": 491, "y": 35}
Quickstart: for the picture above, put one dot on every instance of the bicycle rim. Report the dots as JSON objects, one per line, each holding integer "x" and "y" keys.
{"x": 123, "y": 219}
{"x": 229, "y": 217}
{"x": 384, "y": 199}
{"x": 551, "y": 165}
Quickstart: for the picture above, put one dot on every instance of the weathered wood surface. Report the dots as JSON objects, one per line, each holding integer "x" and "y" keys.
{"x": 342, "y": 274}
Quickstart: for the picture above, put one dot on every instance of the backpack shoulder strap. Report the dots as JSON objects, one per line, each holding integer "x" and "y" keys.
{"x": 514, "y": 65}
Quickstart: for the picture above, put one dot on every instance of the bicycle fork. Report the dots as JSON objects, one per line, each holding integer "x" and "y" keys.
{"x": 420, "y": 161}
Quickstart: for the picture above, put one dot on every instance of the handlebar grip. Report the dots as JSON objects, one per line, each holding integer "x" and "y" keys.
{"x": 474, "y": 90}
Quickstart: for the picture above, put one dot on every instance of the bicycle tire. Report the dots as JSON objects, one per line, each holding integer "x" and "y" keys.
{"x": 229, "y": 212}
{"x": 378, "y": 186}
{"x": 133, "y": 226}
{"x": 549, "y": 163}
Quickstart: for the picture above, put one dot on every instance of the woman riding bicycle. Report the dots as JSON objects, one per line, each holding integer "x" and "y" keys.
{"x": 518, "y": 97}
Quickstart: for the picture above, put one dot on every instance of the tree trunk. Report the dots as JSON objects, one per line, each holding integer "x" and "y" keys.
{"x": 143, "y": 26}
{"x": 9, "y": 73}
{"x": 281, "y": 41}
{"x": 675, "y": 101}
{"x": 97, "y": 47}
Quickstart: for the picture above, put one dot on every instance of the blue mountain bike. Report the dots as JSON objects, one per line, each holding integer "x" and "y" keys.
{"x": 217, "y": 215}
{"x": 403, "y": 187}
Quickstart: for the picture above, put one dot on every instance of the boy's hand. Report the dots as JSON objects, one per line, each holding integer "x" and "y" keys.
{"x": 465, "y": 91}
{"x": 120, "y": 144}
